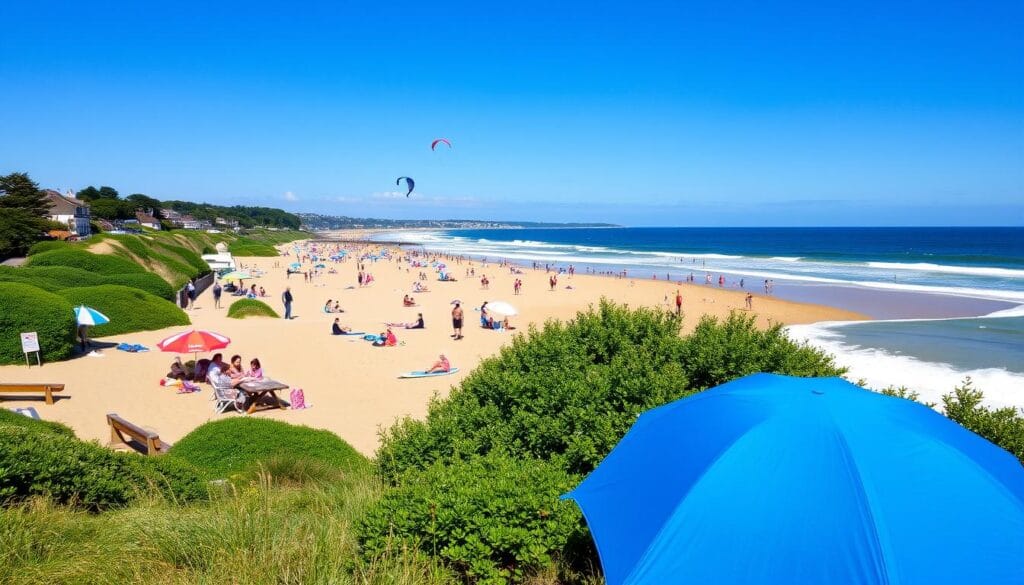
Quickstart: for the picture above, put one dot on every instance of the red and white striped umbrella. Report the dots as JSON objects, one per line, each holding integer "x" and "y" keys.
{"x": 194, "y": 342}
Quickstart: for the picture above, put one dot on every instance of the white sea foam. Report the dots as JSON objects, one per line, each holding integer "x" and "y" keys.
{"x": 932, "y": 380}
{"x": 786, "y": 258}
{"x": 947, "y": 269}
{"x": 1017, "y": 311}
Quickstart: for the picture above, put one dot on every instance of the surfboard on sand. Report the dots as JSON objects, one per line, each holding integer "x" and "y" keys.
{"x": 353, "y": 333}
{"x": 423, "y": 374}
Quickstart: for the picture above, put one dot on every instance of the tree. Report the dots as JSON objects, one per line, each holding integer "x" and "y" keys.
{"x": 142, "y": 201}
{"x": 20, "y": 192}
{"x": 91, "y": 193}
{"x": 111, "y": 209}
{"x": 23, "y": 211}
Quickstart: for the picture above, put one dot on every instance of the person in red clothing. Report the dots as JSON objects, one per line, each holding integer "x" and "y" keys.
{"x": 679, "y": 303}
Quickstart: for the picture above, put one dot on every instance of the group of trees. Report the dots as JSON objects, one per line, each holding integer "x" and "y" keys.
{"x": 106, "y": 203}
{"x": 23, "y": 214}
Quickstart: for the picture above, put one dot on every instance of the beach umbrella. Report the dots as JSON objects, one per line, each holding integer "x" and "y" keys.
{"x": 235, "y": 275}
{"x": 772, "y": 479}
{"x": 194, "y": 341}
{"x": 89, "y": 316}
{"x": 320, "y": 266}
{"x": 295, "y": 265}
{"x": 502, "y": 308}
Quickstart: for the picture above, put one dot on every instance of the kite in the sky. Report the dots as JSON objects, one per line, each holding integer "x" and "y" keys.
{"x": 433, "y": 145}
{"x": 408, "y": 183}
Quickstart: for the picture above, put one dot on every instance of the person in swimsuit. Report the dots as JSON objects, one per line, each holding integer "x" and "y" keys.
{"x": 457, "y": 321}
{"x": 441, "y": 365}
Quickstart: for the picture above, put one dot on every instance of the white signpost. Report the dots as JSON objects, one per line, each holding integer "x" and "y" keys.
{"x": 30, "y": 344}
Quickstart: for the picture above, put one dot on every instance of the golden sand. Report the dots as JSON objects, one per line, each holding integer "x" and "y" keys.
{"x": 352, "y": 387}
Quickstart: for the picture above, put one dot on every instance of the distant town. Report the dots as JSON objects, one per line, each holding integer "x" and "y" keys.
{"x": 317, "y": 222}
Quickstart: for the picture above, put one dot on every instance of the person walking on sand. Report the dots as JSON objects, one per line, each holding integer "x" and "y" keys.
{"x": 457, "y": 321}
{"x": 750, "y": 302}
{"x": 679, "y": 303}
{"x": 286, "y": 298}
{"x": 190, "y": 292}
{"x": 217, "y": 290}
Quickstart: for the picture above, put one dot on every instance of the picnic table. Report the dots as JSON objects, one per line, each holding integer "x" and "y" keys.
{"x": 258, "y": 389}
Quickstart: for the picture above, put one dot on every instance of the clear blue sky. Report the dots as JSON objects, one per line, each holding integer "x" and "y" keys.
{"x": 666, "y": 113}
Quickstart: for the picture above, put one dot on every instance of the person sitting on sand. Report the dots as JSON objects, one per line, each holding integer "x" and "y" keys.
{"x": 337, "y": 307}
{"x": 263, "y": 292}
{"x": 327, "y": 306}
{"x": 178, "y": 371}
{"x": 337, "y": 329}
{"x": 408, "y": 301}
{"x": 255, "y": 370}
{"x": 417, "y": 324}
{"x": 386, "y": 339}
{"x": 441, "y": 365}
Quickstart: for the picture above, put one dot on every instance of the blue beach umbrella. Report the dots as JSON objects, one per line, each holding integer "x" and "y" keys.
{"x": 296, "y": 265}
{"x": 89, "y": 316}
{"x": 771, "y": 479}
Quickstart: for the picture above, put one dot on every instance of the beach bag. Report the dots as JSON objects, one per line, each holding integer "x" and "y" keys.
{"x": 298, "y": 399}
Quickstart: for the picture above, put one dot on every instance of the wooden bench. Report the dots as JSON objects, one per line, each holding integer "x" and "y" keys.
{"x": 148, "y": 440}
{"x": 47, "y": 389}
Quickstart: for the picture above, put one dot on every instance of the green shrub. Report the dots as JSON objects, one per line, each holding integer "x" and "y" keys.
{"x": 46, "y": 246}
{"x": 55, "y": 278}
{"x": 243, "y": 308}
{"x": 721, "y": 350}
{"x": 129, "y": 309}
{"x": 77, "y": 258}
{"x": 68, "y": 470}
{"x": 569, "y": 391}
{"x": 239, "y": 445}
{"x": 494, "y": 518}
{"x": 1002, "y": 426}
{"x": 10, "y": 418}
{"x": 25, "y": 308}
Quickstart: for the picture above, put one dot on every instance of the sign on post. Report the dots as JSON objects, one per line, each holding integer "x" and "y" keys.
{"x": 30, "y": 344}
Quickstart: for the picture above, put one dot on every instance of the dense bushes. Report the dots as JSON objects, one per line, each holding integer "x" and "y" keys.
{"x": 85, "y": 474}
{"x": 76, "y": 258}
{"x": 54, "y": 278}
{"x": 237, "y": 445}
{"x": 243, "y": 308}
{"x": 1002, "y": 426}
{"x": 11, "y": 418}
{"x": 565, "y": 396}
{"x": 47, "y": 245}
{"x": 129, "y": 309}
{"x": 494, "y": 518}
{"x": 25, "y": 308}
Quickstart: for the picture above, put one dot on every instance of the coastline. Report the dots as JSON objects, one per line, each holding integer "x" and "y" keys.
{"x": 353, "y": 387}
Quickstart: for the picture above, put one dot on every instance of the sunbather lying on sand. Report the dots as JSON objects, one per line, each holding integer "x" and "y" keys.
{"x": 417, "y": 324}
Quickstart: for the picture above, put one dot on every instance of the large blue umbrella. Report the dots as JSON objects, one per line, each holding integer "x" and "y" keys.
{"x": 772, "y": 479}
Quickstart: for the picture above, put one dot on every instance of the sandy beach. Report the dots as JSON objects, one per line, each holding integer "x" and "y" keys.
{"x": 352, "y": 387}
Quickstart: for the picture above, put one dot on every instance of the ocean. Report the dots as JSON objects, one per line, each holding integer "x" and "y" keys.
{"x": 947, "y": 302}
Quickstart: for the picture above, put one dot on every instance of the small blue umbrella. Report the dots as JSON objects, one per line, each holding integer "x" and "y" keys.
{"x": 777, "y": 480}
{"x": 89, "y": 316}
{"x": 296, "y": 265}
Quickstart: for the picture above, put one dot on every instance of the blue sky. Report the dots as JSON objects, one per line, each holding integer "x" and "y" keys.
{"x": 664, "y": 113}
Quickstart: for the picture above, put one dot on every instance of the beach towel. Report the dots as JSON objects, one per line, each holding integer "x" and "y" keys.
{"x": 132, "y": 348}
{"x": 298, "y": 399}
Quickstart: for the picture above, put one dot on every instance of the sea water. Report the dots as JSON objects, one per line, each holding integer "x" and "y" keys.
{"x": 949, "y": 302}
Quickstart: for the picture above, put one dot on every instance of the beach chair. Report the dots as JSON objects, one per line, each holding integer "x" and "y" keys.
{"x": 225, "y": 396}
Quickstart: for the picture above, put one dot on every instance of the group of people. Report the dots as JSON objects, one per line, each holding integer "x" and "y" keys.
{"x": 408, "y": 301}
{"x": 335, "y": 308}
{"x": 217, "y": 371}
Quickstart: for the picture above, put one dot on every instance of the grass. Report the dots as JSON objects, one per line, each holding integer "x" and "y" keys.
{"x": 234, "y": 446}
{"x": 243, "y": 308}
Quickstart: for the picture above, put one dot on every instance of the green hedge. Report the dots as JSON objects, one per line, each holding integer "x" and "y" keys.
{"x": 70, "y": 471}
{"x": 10, "y": 418}
{"x": 25, "y": 308}
{"x": 46, "y": 246}
{"x": 76, "y": 258}
{"x": 55, "y": 278}
{"x": 238, "y": 445}
{"x": 243, "y": 308}
{"x": 493, "y": 518}
{"x": 129, "y": 309}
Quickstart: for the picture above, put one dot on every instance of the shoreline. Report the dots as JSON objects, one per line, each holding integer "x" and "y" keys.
{"x": 353, "y": 387}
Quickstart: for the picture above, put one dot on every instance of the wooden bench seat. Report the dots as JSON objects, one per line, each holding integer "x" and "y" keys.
{"x": 149, "y": 441}
{"x": 46, "y": 389}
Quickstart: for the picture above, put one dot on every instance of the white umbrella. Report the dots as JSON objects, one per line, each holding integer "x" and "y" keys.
{"x": 502, "y": 308}
{"x": 89, "y": 316}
